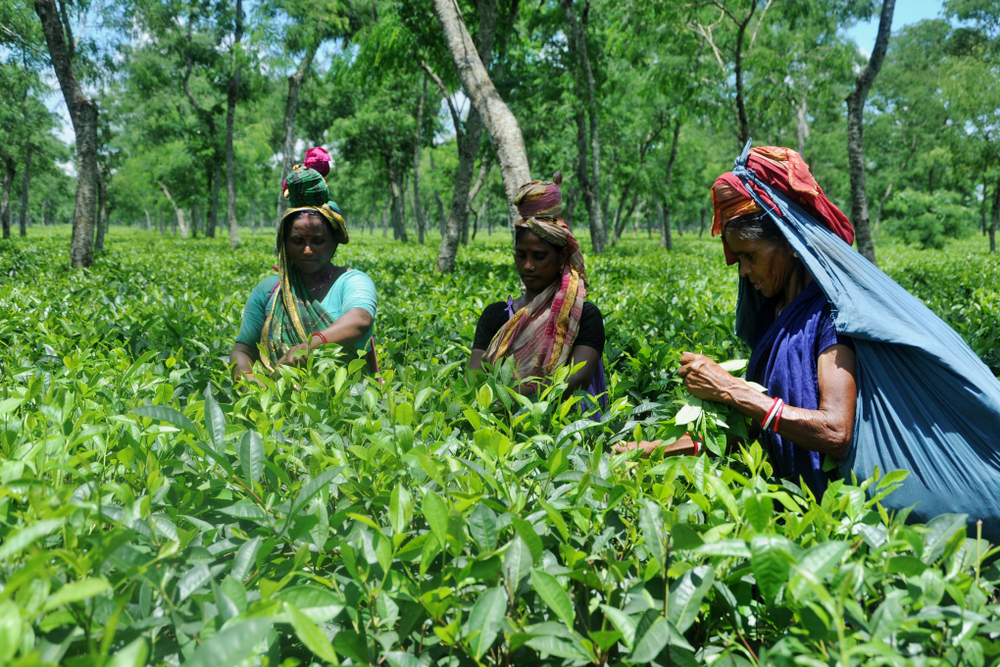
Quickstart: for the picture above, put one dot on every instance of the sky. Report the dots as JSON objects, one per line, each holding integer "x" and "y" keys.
{"x": 907, "y": 11}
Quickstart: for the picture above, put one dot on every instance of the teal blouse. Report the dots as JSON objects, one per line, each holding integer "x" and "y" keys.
{"x": 353, "y": 289}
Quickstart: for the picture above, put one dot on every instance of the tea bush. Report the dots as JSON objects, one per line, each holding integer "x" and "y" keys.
{"x": 150, "y": 514}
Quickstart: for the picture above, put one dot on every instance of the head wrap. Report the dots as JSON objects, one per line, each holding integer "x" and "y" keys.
{"x": 306, "y": 191}
{"x": 784, "y": 170}
{"x": 540, "y": 336}
{"x": 318, "y": 159}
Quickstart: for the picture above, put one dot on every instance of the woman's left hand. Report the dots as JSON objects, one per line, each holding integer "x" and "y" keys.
{"x": 704, "y": 378}
{"x": 296, "y": 356}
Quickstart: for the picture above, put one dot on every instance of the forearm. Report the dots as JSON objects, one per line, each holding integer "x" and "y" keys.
{"x": 821, "y": 431}
{"x": 350, "y": 329}
{"x": 241, "y": 359}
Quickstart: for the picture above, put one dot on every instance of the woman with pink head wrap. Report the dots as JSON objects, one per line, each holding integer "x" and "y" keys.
{"x": 551, "y": 323}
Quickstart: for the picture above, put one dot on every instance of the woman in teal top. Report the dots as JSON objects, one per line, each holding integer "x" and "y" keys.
{"x": 310, "y": 302}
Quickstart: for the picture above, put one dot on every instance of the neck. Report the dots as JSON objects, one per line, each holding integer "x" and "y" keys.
{"x": 313, "y": 279}
{"x": 798, "y": 281}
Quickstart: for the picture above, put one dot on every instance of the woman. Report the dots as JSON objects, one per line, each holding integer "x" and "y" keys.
{"x": 854, "y": 366}
{"x": 551, "y": 323}
{"x": 311, "y": 302}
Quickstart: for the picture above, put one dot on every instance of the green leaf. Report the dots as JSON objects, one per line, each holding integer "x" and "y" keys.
{"x": 164, "y": 414}
{"x": 486, "y": 620}
{"x": 687, "y": 594}
{"x": 555, "y": 516}
{"x": 758, "y": 510}
{"x": 483, "y": 527}
{"x": 484, "y": 397}
{"x": 527, "y": 533}
{"x": 401, "y": 659}
{"x": 8, "y": 405}
{"x": 215, "y": 421}
{"x": 724, "y": 548}
{"x": 939, "y": 531}
{"x": 517, "y": 563}
{"x": 244, "y": 510}
{"x": 652, "y": 634}
{"x": 654, "y": 538}
{"x": 245, "y": 559}
{"x": 133, "y": 655}
{"x": 769, "y": 565}
{"x": 319, "y": 605}
{"x": 252, "y": 456}
{"x": 230, "y": 646}
{"x": 10, "y": 630}
{"x": 311, "y": 636}
{"x": 554, "y": 596}
{"x": 313, "y": 487}
{"x": 623, "y": 623}
{"x": 400, "y": 507}
{"x": 77, "y": 591}
{"x": 820, "y": 559}
{"x": 436, "y": 514}
{"x": 19, "y": 540}
{"x": 192, "y": 580}
{"x": 352, "y": 644}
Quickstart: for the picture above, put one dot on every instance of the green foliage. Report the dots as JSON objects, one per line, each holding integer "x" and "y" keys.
{"x": 928, "y": 220}
{"x": 151, "y": 514}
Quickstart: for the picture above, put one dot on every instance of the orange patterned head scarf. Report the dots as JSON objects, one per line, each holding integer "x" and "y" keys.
{"x": 781, "y": 169}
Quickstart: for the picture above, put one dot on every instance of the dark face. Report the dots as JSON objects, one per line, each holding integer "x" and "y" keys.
{"x": 768, "y": 264}
{"x": 309, "y": 244}
{"x": 538, "y": 262}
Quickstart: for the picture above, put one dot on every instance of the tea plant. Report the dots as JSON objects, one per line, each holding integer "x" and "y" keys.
{"x": 150, "y": 513}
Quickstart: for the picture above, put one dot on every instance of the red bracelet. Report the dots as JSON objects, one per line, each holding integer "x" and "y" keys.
{"x": 321, "y": 336}
{"x": 777, "y": 417}
{"x": 697, "y": 445}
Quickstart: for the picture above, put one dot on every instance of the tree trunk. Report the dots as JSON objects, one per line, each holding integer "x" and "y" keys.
{"x": 291, "y": 109}
{"x": 701, "y": 223}
{"x": 982, "y": 208}
{"x": 741, "y": 108}
{"x": 995, "y": 223}
{"x": 10, "y": 169}
{"x": 25, "y": 189}
{"x": 102, "y": 210}
{"x": 586, "y": 91}
{"x": 663, "y": 219}
{"x": 803, "y": 125}
{"x": 83, "y": 113}
{"x": 178, "y": 211}
{"x": 253, "y": 214}
{"x": 665, "y": 240}
{"x": 45, "y": 211}
{"x": 149, "y": 223}
{"x": 398, "y": 225}
{"x": 385, "y": 218}
{"x": 418, "y": 210}
{"x": 855, "y": 138}
{"x": 232, "y": 94}
{"x": 500, "y": 123}
{"x": 442, "y": 221}
{"x": 468, "y": 138}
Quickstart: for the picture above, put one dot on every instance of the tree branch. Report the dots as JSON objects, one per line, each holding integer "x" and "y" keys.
{"x": 444, "y": 92}
{"x": 759, "y": 24}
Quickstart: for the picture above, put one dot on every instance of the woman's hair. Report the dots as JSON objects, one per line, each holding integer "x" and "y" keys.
{"x": 757, "y": 226}
{"x": 520, "y": 232}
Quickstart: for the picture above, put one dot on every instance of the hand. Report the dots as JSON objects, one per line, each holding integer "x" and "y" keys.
{"x": 704, "y": 378}
{"x": 296, "y": 356}
{"x": 685, "y": 446}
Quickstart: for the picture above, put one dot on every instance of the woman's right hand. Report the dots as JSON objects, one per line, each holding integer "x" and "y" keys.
{"x": 684, "y": 446}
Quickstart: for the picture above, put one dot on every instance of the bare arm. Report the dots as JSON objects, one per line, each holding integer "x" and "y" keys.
{"x": 828, "y": 429}
{"x": 349, "y": 329}
{"x": 476, "y": 360}
{"x": 581, "y": 379}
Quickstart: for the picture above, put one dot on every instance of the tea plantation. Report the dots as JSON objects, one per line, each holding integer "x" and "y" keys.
{"x": 152, "y": 514}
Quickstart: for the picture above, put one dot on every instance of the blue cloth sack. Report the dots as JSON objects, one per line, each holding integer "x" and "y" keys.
{"x": 926, "y": 403}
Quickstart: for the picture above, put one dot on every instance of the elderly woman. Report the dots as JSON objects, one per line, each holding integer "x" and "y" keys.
{"x": 311, "y": 302}
{"x": 551, "y": 323}
{"x": 854, "y": 366}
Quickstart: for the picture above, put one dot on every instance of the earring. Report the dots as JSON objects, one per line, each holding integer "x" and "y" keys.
{"x": 795, "y": 254}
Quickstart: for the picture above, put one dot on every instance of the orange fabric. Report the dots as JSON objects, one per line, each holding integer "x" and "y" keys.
{"x": 782, "y": 169}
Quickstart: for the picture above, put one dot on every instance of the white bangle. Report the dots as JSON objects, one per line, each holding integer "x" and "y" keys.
{"x": 771, "y": 414}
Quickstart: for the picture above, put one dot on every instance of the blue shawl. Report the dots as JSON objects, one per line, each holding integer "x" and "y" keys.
{"x": 926, "y": 403}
